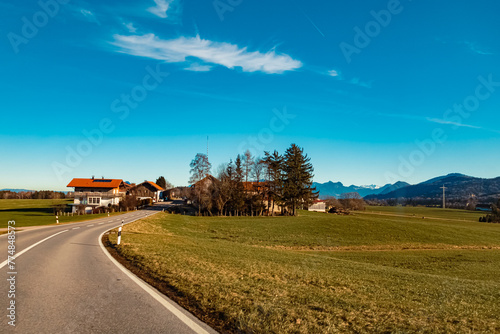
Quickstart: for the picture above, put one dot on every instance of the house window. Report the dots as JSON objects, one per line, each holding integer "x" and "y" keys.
{"x": 94, "y": 200}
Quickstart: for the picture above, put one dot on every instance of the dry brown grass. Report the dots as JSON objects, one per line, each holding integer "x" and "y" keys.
{"x": 293, "y": 275}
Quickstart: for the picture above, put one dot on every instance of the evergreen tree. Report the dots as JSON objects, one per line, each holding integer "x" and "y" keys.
{"x": 162, "y": 182}
{"x": 274, "y": 171}
{"x": 230, "y": 174}
{"x": 297, "y": 185}
{"x": 239, "y": 190}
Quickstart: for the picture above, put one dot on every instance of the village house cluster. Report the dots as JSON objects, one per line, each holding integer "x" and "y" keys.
{"x": 93, "y": 193}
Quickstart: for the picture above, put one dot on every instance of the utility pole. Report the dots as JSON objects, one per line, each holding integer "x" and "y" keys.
{"x": 444, "y": 198}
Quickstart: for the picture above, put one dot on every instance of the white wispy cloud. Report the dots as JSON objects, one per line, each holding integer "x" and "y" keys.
{"x": 474, "y": 47}
{"x": 334, "y": 73}
{"x": 195, "y": 67}
{"x": 219, "y": 53}
{"x": 357, "y": 81}
{"x": 89, "y": 16}
{"x": 353, "y": 81}
{"x": 471, "y": 46}
{"x": 83, "y": 13}
{"x": 160, "y": 9}
{"x": 130, "y": 27}
{"x": 442, "y": 121}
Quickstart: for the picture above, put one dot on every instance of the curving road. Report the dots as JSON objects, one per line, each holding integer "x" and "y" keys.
{"x": 67, "y": 283}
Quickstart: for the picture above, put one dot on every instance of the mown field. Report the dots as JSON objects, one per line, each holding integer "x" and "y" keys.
{"x": 322, "y": 273}
{"x": 35, "y": 212}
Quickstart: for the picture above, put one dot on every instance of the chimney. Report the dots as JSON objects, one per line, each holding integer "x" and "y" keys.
{"x": 103, "y": 177}
{"x": 92, "y": 177}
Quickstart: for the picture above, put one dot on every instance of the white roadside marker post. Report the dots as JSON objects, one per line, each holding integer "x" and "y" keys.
{"x": 119, "y": 234}
{"x": 57, "y": 219}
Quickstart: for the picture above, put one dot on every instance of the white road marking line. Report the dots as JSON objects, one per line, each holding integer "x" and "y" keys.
{"x": 90, "y": 225}
{"x": 153, "y": 293}
{"x": 30, "y": 247}
{"x": 75, "y": 228}
{"x": 100, "y": 223}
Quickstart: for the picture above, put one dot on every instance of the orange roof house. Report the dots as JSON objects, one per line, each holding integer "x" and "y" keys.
{"x": 146, "y": 189}
{"x": 95, "y": 193}
{"x": 154, "y": 185}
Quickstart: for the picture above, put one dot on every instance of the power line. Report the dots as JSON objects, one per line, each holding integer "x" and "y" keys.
{"x": 444, "y": 198}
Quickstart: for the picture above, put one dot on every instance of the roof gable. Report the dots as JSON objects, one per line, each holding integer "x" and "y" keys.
{"x": 155, "y": 185}
{"x": 95, "y": 183}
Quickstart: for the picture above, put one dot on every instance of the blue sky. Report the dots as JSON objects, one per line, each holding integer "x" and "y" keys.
{"x": 374, "y": 91}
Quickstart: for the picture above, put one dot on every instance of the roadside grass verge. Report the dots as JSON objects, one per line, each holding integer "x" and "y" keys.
{"x": 321, "y": 273}
{"x": 37, "y": 212}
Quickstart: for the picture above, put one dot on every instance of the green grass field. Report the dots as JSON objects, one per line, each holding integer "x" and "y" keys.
{"x": 420, "y": 212}
{"x": 322, "y": 273}
{"x": 35, "y": 212}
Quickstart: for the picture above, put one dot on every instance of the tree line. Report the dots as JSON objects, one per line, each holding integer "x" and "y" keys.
{"x": 277, "y": 183}
{"x": 44, "y": 194}
{"x": 347, "y": 201}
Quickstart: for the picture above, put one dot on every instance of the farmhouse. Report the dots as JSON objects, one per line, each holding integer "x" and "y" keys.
{"x": 318, "y": 206}
{"x": 261, "y": 188}
{"x": 146, "y": 189}
{"x": 205, "y": 183}
{"x": 176, "y": 193}
{"x": 93, "y": 193}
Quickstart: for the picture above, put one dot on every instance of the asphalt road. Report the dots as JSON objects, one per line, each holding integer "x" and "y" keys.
{"x": 69, "y": 284}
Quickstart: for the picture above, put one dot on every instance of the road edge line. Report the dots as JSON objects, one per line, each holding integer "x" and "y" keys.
{"x": 30, "y": 247}
{"x": 152, "y": 292}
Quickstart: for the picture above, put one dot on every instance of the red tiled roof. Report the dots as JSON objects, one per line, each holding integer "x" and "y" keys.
{"x": 95, "y": 183}
{"x": 155, "y": 185}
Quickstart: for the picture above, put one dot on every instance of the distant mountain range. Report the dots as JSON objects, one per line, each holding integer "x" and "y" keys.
{"x": 336, "y": 189}
{"x": 459, "y": 186}
{"x": 32, "y": 191}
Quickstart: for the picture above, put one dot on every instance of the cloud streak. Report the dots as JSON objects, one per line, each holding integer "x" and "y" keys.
{"x": 441, "y": 121}
{"x": 473, "y": 47}
{"x": 353, "y": 81}
{"x": 195, "y": 67}
{"x": 219, "y": 53}
{"x": 160, "y": 9}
